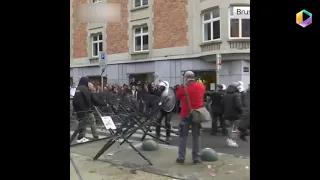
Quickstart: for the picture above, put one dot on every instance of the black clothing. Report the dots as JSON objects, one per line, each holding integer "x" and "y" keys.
{"x": 215, "y": 118}
{"x": 163, "y": 114}
{"x": 82, "y": 97}
{"x": 244, "y": 123}
{"x": 139, "y": 95}
{"x": 83, "y": 102}
{"x": 231, "y": 101}
{"x": 133, "y": 83}
{"x": 216, "y": 101}
{"x": 217, "y": 111}
{"x": 151, "y": 101}
{"x": 126, "y": 91}
{"x": 242, "y": 95}
{"x": 167, "y": 123}
{"x": 155, "y": 92}
{"x": 140, "y": 99}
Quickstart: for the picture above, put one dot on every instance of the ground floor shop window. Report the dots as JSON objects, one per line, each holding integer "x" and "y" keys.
{"x": 206, "y": 77}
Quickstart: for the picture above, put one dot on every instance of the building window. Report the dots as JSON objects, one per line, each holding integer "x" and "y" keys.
{"x": 141, "y": 39}
{"x": 97, "y": 44}
{"x": 211, "y": 25}
{"x": 239, "y": 28}
{"x": 139, "y": 3}
{"x": 96, "y": 1}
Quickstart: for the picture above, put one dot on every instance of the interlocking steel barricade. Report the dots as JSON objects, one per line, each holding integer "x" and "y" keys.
{"x": 124, "y": 111}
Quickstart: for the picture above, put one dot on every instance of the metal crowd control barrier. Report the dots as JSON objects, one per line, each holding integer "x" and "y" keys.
{"x": 130, "y": 118}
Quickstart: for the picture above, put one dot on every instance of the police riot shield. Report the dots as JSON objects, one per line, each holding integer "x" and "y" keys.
{"x": 168, "y": 99}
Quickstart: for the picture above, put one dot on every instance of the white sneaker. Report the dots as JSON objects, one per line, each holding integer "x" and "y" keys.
{"x": 232, "y": 143}
{"x": 79, "y": 140}
{"x": 82, "y": 140}
{"x": 85, "y": 139}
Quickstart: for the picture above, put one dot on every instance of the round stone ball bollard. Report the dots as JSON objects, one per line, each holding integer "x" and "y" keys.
{"x": 209, "y": 155}
{"x": 150, "y": 145}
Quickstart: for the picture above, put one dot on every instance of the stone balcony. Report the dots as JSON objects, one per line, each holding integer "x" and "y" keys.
{"x": 210, "y": 46}
{"x": 240, "y": 44}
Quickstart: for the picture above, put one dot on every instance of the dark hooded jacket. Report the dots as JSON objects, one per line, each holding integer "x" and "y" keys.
{"x": 84, "y": 99}
{"x": 242, "y": 95}
{"x": 216, "y": 101}
{"x": 232, "y": 107}
{"x": 139, "y": 94}
{"x": 245, "y": 117}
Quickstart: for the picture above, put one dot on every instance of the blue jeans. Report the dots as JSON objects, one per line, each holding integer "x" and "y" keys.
{"x": 184, "y": 127}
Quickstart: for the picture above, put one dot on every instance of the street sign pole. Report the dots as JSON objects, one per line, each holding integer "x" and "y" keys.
{"x": 218, "y": 67}
{"x": 103, "y": 65}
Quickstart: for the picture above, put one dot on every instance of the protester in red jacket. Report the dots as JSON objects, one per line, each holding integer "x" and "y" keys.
{"x": 196, "y": 92}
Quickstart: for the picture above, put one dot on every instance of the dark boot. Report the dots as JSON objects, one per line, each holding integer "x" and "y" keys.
{"x": 180, "y": 161}
{"x": 243, "y": 134}
{"x": 196, "y": 161}
{"x": 168, "y": 138}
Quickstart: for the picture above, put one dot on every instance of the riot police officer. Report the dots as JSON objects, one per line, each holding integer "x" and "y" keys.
{"x": 164, "y": 113}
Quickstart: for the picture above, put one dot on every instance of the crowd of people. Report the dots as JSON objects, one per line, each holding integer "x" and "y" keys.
{"x": 138, "y": 90}
{"x": 230, "y": 106}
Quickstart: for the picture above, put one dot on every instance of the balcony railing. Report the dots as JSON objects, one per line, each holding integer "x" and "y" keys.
{"x": 210, "y": 46}
{"x": 239, "y": 44}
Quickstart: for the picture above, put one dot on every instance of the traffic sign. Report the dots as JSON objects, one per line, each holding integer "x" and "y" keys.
{"x": 102, "y": 59}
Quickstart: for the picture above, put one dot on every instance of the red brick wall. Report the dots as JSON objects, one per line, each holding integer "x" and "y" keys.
{"x": 170, "y": 23}
{"x": 117, "y": 32}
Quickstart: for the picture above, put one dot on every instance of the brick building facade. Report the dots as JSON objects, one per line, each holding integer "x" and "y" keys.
{"x": 163, "y": 38}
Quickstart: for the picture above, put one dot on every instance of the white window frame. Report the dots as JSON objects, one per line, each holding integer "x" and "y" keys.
{"x": 140, "y": 35}
{"x": 211, "y": 20}
{"x": 97, "y": 1}
{"x": 98, "y": 41}
{"x": 141, "y": 4}
{"x": 240, "y": 24}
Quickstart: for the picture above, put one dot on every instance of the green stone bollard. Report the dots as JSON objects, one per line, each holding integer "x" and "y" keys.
{"x": 150, "y": 145}
{"x": 209, "y": 155}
